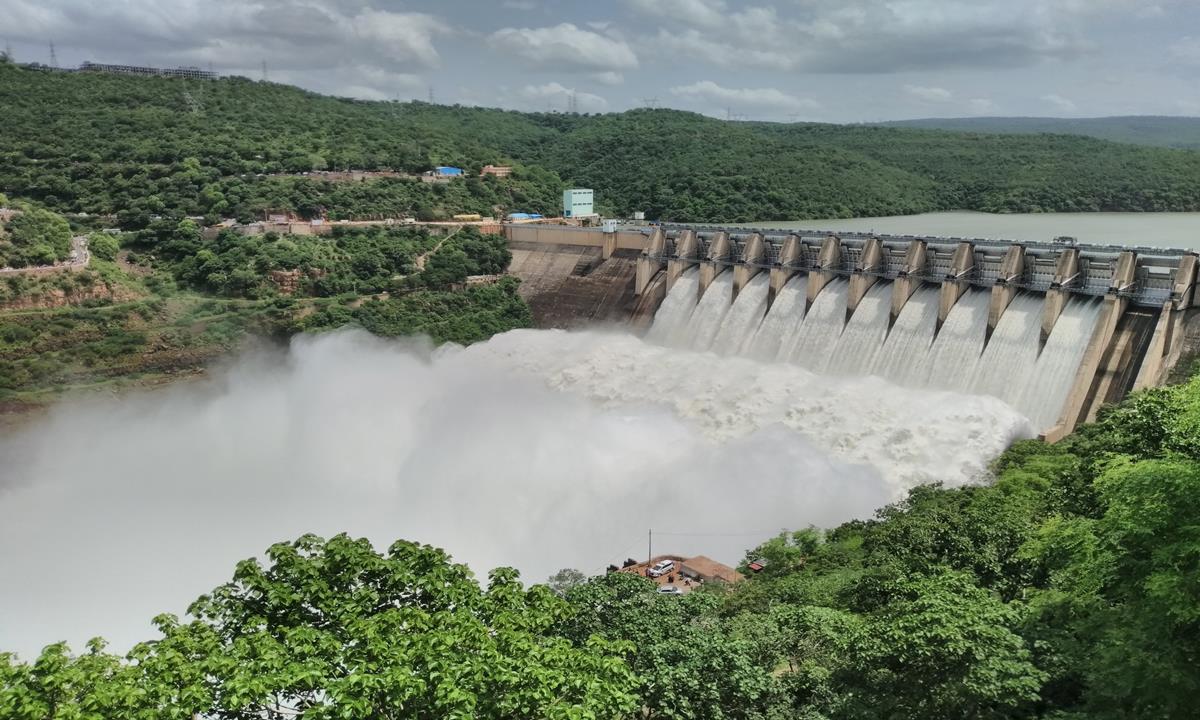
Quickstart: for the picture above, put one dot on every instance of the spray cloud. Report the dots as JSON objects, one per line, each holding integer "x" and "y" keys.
{"x": 537, "y": 449}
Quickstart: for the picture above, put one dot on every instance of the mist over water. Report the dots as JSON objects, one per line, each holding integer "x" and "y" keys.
{"x": 537, "y": 449}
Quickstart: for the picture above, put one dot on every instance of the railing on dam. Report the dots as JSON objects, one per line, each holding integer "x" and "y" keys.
{"x": 1153, "y": 275}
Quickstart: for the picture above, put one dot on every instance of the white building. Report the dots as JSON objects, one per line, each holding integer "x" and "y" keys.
{"x": 577, "y": 203}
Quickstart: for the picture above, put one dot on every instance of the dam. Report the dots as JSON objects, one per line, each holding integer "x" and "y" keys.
{"x": 1055, "y": 329}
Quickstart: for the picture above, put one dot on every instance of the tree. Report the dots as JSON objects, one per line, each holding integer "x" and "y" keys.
{"x": 688, "y": 660}
{"x": 943, "y": 648}
{"x": 333, "y": 629}
{"x": 565, "y": 579}
{"x": 40, "y": 236}
{"x": 103, "y": 246}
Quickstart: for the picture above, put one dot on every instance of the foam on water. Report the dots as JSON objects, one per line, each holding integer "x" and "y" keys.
{"x": 710, "y": 314}
{"x": 821, "y": 328}
{"x": 955, "y": 352}
{"x": 536, "y": 449}
{"x": 744, "y": 318}
{"x": 913, "y": 352}
{"x": 782, "y": 322}
{"x": 670, "y": 325}
{"x": 903, "y": 356}
{"x": 864, "y": 334}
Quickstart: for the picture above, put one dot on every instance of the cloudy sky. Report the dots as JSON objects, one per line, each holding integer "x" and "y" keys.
{"x": 830, "y": 60}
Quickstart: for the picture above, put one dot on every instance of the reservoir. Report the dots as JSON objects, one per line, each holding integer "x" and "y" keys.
{"x": 1168, "y": 230}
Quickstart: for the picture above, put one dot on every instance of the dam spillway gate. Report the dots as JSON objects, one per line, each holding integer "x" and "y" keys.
{"x": 1137, "y": 305}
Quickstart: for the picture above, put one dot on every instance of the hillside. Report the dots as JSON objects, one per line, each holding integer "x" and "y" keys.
{"x": 139, "y": 148}
{"x": 1160, "y": 131}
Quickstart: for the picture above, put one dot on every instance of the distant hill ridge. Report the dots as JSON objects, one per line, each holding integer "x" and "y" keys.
{"x": 147, "y": 148}
{"x": 1156, "y": 130}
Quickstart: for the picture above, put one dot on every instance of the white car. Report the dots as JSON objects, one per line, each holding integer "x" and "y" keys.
{"x": 670, "y": 590}
{"x": 662, "y": 567}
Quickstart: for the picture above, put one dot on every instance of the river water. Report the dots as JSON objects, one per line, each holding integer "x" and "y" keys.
{"x": 1166, "y": 230}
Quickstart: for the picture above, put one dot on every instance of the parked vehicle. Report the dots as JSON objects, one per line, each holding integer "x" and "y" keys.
{"x": 662, "y": 567}
{"x": 670, "y": 590}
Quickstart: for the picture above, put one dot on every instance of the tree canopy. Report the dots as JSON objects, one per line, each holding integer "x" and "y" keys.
{"x": 138, "y": 148}
{"x": 1066, "y": 588}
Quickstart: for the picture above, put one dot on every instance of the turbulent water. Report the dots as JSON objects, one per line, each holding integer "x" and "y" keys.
{"x": 537, "y": 449}
{"x": 914, "y": 353}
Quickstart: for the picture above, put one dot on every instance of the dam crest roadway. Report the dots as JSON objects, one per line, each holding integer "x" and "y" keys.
{"x": 993, "y": 304}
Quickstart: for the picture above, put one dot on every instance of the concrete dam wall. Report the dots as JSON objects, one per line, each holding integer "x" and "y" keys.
{"x": 1055, "y": 329}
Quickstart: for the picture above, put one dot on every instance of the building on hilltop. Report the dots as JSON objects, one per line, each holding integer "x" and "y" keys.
{"x": 577, "y": 202}
{"x": 496, "y": 170}
{"x": 191, "y": 73}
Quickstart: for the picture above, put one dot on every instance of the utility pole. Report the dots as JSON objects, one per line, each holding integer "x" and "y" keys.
{"x": 649, "y": 545}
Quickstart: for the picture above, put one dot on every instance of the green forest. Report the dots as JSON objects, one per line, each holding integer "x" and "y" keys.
{"x": 1161, "y": 131}
{"x": 164, "y": 300}
{"x": 1065, "y": 588}
{"x": 138, "y": 149}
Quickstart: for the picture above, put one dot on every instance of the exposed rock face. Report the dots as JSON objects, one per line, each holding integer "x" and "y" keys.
{"x": 48, "y": 298}
{"x": 286, "y": 281}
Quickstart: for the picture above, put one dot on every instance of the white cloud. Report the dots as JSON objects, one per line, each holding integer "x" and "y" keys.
{"x": 608, "y": 78}
{"x": 770, "y": 98}
{"x": 1186, "y": 51}
{"x": 702, "y": 13}
{"x": 400, "y": 37}
{"x": 555, "y": 96}
{"x": 565, "y": 46}
{"x": 868, "y": 36}
{"x": 929, "y": 94}
{"x": 327, "y": 45}
{"x": 981, "y": 106}
{"x": 1060, "y": 102}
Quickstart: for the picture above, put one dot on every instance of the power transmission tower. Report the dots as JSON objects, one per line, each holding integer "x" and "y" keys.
{"x": 573, "y": 103}
{"x": 264, "y": 71}
{"x": 430, "y": 94}
{"x": 53, "y": 56}
{"x": 194, "y": 105}
{"x": 8, "y": 52}
{"x": 650, "y": 102}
